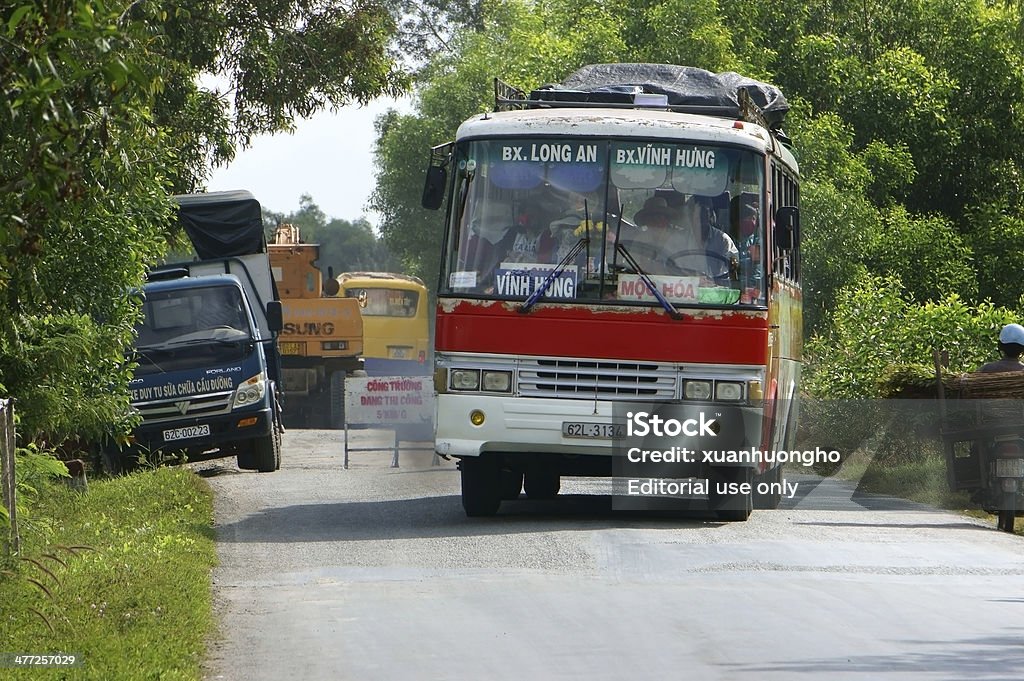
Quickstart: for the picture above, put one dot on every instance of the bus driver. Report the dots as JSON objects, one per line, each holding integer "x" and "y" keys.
{"x": 684, "y": 234}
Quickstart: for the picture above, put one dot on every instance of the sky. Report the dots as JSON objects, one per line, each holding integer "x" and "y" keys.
{"x": 329, "y": 157}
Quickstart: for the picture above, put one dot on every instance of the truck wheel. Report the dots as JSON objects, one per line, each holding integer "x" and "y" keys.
{"x": 542, "y": 484}
{"x": 511, "y": 484}
{"x": 117, "y": 461}
{"x": 338, "y": 400}
{"x": 481, "y": 487}
{"x": 277, "y": 445}
{"x": 730, "y": 507}
{"x": 266, "y": 453}
{"x": 246, "y": 459}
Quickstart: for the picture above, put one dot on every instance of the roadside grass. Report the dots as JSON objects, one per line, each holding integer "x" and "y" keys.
{"x": 921, "y": 478}
{"x": 120, "y": 576}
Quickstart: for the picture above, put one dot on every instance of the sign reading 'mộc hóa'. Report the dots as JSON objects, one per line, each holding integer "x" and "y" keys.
{"x": 673, "y": 288}
{"x": 389, "y": 400}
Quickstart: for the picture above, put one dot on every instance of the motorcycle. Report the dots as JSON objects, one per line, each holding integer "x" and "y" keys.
{"x": 982, "y": 431}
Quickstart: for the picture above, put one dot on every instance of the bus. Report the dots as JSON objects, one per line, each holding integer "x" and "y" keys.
{"x": 396, "y": 321}
{"x": 576, "y": 313}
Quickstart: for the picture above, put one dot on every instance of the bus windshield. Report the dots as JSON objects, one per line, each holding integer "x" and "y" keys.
{"x": 385, "y": 302}
{"x": 605, "y": 221}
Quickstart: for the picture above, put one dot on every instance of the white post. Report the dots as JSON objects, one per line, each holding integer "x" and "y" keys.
{"x": 12, "y": 542}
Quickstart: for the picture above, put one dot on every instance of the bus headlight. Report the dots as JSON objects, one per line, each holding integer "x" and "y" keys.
{"x": 497, "y": 381}
{"x": 250, "y": 391}
{"x": 697, "y": 390}
{"x": 465, "y": 379}
{"x": 728, "y": 391}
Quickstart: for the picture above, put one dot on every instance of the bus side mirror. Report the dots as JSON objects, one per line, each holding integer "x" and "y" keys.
{"x": 275, "y": 316}
{"x": 433, "y": 187}
{"x": 787, "y": 227}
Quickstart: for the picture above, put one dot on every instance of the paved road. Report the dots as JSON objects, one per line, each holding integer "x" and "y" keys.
{"x": 375, "y": 573}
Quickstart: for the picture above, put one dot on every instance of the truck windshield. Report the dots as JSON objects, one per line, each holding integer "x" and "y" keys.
{"x": 688, "y": 216}
{"x": 183, "y": 327}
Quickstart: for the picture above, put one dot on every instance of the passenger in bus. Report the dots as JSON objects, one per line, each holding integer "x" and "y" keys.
{"x": 581, "y": 215}
{"x": 490, "y": 238}
{"x": 532, "y": 240}
{"x": 751, "y": 268}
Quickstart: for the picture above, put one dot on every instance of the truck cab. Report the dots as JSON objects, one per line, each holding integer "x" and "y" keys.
{"x": 207, "y": 365}
{"x": 201, "y": 381}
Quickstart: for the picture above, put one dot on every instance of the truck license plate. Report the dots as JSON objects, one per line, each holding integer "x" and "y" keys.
{"x": 186, "y": 432}
{"x": 604, "y": 431}
{"x": 289, "y": 348}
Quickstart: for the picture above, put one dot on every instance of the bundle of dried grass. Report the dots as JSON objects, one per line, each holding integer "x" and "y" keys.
{"x": 1001, "y": 386}
{"x": 915, "y": 382}
{"x": 989, "y": 398}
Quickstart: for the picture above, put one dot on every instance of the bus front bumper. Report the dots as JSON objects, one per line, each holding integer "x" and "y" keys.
{"x": 512, "y": 425}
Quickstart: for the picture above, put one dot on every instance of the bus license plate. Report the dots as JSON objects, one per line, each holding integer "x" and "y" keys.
{"x": 186, "y": 432}
{"x": 593, "y": 430}
{"x": 398, "y": 353}
{"x": 288, "y": 348}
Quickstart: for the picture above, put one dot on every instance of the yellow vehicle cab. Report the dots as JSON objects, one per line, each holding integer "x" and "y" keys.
{"x": 396, "y": 326}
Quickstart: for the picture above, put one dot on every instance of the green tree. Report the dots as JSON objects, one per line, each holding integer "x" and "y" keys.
{"x": 104, "y": 116}
{"x": 527, "y": 44}
{"x": 266, "y": 62}
{"x": 84, "y": 201}
{"x": 878, "y": 328}
{"x": 910, "y": 154}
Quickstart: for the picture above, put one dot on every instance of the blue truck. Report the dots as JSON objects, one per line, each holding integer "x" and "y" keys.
{"x": 208, "y": 369}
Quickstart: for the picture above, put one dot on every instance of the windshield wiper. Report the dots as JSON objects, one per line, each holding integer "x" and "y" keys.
{"x": 144, "y": 354}
{"x": 639, "y": 271}
{"x": 169, "y": 347}
{"x": 237, "y": 342}
{"x": 584, "y": 242}
{"x": 648, "y": 282}
{"x": 559, "y": 268}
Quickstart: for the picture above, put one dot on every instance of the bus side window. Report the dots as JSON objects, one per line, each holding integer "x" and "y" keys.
{"x": 784, "y": 195}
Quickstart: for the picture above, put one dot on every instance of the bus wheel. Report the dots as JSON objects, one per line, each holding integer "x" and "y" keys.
{"x": 772, "y": 497}
{"x": 725, "y": 500}
{"x": 481, "y": 487}
{"x": 338, "y": 400}
{"x": 511, "y": 484}
{"x": 542, "y": 484}
{"x": 1008, "y": 512}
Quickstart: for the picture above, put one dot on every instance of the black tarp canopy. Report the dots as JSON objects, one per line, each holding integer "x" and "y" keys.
{"x": 222, "y": 224}
{"x": 684, "y": 86}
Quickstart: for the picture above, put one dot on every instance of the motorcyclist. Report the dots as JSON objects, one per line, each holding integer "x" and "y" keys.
{"x": 1011, "y": 344}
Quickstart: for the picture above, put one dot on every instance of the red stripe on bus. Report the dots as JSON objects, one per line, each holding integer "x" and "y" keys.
{"x": 643, "y": 334}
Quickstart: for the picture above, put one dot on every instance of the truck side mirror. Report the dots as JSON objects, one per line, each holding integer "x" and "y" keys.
{"x": 433, "y": 187}
{"x": 275, "y": 316}
{"x": 787, "y": 227}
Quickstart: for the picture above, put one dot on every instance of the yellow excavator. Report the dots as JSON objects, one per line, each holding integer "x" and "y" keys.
{"x": 322, "y": 339}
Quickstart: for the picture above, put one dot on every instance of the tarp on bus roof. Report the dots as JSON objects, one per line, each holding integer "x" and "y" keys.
{"x": 684, "y": 86}
{"x": 222, "y": 224}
